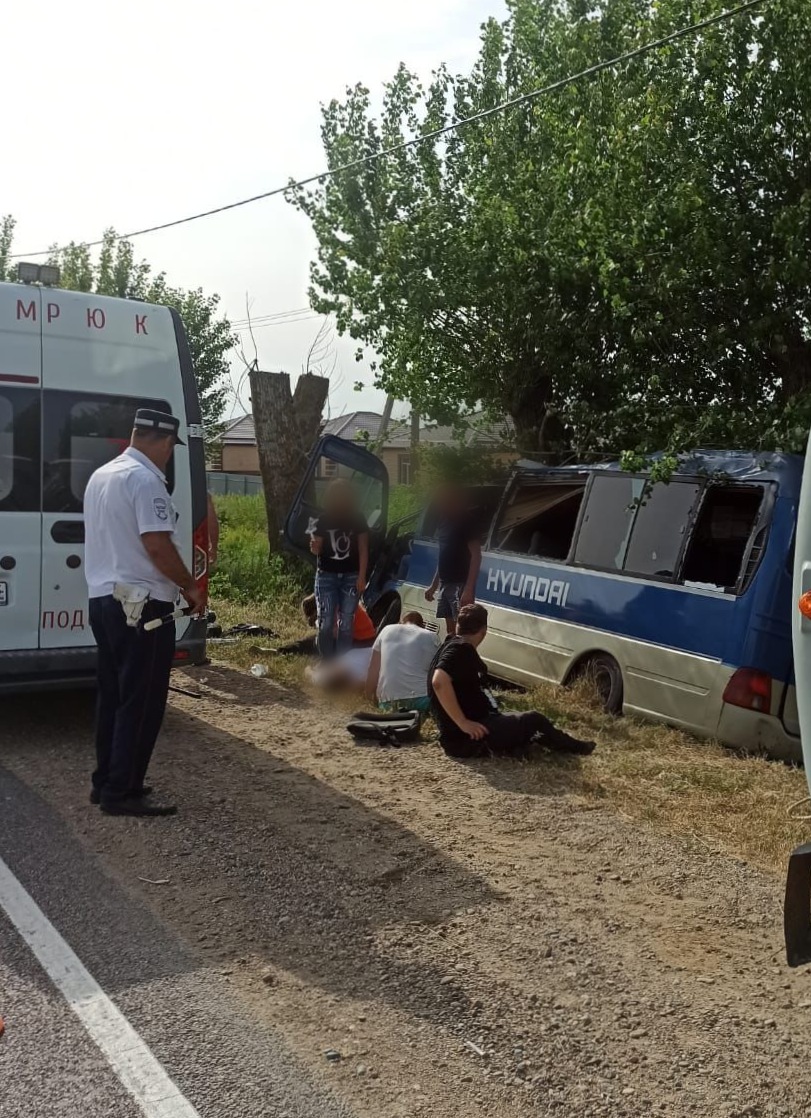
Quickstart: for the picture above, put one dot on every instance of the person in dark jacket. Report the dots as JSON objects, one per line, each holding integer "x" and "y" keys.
{"x": 459, "y": 534}
{"x": 470, "y": 723}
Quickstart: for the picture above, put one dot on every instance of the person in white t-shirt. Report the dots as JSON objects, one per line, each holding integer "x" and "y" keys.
{"x": 134, "y": 572}
{"x": 401, "y": 659}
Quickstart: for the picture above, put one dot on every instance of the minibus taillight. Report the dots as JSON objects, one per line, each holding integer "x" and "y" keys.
{"x": 200, "y": 560}
{"x": 750, "y": 689}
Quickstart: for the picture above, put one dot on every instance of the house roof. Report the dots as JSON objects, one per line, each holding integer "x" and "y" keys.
{"x": 353, "y": 425}
{"x": 357, "y": 424}
{"x": 239, "y": 431}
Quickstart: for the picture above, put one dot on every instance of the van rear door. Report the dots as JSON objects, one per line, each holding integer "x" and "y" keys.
{"x": 102, "y": 359}
{"x": 333, "y": 458}
{"x": 20, "y": 517}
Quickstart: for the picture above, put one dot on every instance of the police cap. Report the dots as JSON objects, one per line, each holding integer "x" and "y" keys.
{"x": 146, "y": 419}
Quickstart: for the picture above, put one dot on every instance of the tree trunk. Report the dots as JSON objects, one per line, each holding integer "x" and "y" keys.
{"x": 286, "y": 426}
{"x": 794, "y": 363}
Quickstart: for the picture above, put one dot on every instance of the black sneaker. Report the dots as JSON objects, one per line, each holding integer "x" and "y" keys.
{"x": 139, "y": 793}
{"x": 135, "y": 805}
{"x": 578, "y": 748}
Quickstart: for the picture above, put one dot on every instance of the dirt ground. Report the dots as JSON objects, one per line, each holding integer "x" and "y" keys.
{"x": 445, "y": 938}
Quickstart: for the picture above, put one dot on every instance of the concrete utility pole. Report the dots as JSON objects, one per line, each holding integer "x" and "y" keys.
{"x": 385, "y": 421}
{"x": 415, "y": 445}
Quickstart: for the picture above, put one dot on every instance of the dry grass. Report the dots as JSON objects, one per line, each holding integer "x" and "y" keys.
{"x": 647, "y": 772}
{"x": 657, "y": 775}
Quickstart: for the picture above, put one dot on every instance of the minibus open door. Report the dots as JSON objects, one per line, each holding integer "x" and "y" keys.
{"x": 338, "y": 458}
{"x": 797, "y": 908}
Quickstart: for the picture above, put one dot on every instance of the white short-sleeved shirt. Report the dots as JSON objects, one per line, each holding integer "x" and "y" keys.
{"x": 406, "y": 652}
{"x": 124, "y": 499}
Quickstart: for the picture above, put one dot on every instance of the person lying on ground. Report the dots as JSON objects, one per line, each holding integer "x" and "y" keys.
{"x": 363, "y": 631}
{"x": 343, "y": 673}
{"x": 470, "y": 724}
{"x": 340, "y": 540}
{"x": 460, "y": 555}
{"x": 398, "y": 671}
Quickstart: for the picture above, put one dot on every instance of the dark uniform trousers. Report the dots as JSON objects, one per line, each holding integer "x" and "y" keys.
{"x": 133, "y": 686}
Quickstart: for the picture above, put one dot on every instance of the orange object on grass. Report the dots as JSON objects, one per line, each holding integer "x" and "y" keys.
{"x": 363, "y": 628}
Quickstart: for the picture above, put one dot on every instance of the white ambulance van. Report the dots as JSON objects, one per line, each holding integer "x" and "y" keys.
{"x": 797, "y": 908}
{"x": 74, "y": 368}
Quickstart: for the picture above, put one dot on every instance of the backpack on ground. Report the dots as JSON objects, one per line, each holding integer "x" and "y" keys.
{"x": 394, "y": 730}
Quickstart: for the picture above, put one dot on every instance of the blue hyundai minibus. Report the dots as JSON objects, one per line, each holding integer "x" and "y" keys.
{"x": 675, "y": 598}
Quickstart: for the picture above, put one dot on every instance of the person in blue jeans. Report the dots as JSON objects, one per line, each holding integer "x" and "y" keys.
{"x": 339, "y": 537}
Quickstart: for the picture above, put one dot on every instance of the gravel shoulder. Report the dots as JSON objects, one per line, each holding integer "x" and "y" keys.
{"x": 458, "y": 939}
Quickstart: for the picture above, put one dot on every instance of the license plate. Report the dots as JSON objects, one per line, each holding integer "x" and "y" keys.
{"x": 3, "y": 593}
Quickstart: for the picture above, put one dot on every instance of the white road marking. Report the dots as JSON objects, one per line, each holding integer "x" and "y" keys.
{"x": 129, "y": 1057}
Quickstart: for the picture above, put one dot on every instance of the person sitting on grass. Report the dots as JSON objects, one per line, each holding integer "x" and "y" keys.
{"x": 398, "y": 671}
{"x": 363, "y": 631}
{"x": 470, "y": 723}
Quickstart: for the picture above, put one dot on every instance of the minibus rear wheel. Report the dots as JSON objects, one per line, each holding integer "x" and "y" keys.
{"x": 604, "y": 672}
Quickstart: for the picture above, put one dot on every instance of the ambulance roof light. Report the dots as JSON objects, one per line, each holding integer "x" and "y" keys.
{"x": 49, "y": 275}
{"x": 46, "y": 274}
{"x": 27, "y": 273}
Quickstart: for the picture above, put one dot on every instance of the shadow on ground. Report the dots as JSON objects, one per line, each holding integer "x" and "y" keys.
{"x": 263, "y": 861}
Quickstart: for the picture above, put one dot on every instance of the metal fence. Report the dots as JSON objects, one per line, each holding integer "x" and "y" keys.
{"x": 244, "y": 485}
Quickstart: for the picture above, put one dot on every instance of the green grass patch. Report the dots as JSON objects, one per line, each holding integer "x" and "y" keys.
{"x": 246, "y": 571}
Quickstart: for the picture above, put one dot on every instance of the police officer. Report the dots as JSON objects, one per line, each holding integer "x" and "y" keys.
{"x": 133, "y": 572}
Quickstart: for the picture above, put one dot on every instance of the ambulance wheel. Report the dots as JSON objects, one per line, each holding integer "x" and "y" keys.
{"x": 603, "y": 672}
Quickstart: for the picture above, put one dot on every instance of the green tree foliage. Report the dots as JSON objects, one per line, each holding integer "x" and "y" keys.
{"x": 115, "y": 271}
{"x": 622, "y": 264}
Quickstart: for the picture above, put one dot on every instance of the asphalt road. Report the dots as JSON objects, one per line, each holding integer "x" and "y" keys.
{"x": 220, "y": 1058}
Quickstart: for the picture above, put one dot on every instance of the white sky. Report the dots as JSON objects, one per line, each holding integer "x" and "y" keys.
{"x": 130, "y": 115}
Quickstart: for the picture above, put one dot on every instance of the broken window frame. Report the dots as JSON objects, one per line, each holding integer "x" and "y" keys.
{"x": 530, "y": 480}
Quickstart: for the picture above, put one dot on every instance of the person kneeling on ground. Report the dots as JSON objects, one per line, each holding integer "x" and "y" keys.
{"x": 470, "y": 724}
{"x": 398, "y": 671}
{"x": 363, "y": 631}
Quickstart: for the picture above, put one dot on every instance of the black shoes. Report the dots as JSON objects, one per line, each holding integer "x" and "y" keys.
{"x": 578, "y": 748}
{"x": 563, "y": 743}
{"x": 136, "y": 805}
{"x": 95, "y": 795}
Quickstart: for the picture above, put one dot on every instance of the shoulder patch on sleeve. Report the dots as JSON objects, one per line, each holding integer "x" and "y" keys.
{"x": 161, "y": 507}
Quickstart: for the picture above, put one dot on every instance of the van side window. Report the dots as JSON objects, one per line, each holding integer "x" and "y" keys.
{"x": 541, "y": 517}
{"x": 720, "y": 541}
{"x": 660, "y": 529}
{"x": 19, "y": 450}
{"x": 83, "y": 432}
{"x": 6, "y": 447}
{"x": 606, "y": 528}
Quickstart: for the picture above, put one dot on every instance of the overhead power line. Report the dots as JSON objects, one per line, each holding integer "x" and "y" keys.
{"x": 254, "y": 319}
{"x": 504, "y": 106}
{"x": 245, "y": 326}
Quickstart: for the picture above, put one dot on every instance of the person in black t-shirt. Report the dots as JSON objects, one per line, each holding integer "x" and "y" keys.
{"x": 470, "y": 724}
{"x": 340, "y": 539}
{"x": 460, "y": 556}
